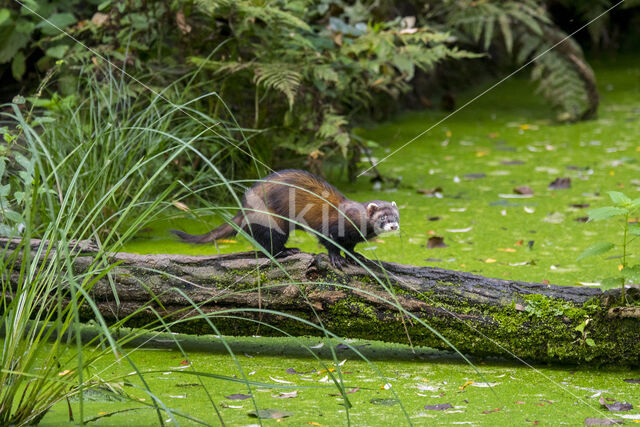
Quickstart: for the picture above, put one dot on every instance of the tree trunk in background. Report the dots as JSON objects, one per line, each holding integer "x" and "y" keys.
{"x": 478, "y": 315}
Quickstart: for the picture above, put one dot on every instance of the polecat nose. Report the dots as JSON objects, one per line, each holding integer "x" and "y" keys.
{"x": 394, "y": 226}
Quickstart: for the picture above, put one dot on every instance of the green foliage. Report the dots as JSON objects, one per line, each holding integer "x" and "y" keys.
{"x": 286, "y": 56}
{"x": 525, "y": 31}
{"x": 623, "y": 206}
{"x": 32, "y": 28}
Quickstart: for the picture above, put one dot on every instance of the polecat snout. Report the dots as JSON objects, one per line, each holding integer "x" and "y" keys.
{"x": 294, "y": 199}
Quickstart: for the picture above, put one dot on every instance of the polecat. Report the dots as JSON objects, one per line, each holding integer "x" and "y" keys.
{"x": 294, "y": 199}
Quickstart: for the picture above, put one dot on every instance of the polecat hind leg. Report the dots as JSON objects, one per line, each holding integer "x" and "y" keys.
{"x": 271, "y": 240}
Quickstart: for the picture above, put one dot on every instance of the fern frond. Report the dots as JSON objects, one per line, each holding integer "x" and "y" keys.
{"x": 278, "y": 76}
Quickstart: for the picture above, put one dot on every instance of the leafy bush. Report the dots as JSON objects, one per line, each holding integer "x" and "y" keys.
{"x": 302, "y": 72}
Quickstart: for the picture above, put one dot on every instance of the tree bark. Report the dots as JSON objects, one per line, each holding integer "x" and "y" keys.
{"x": 247, "y": 294}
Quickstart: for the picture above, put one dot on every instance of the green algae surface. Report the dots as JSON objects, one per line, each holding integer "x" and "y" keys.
{"x": 392, "y": 387}
{"x": 475, "y": 159}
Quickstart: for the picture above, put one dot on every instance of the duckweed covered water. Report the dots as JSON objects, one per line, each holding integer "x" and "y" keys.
{"x": 393, "y": 387}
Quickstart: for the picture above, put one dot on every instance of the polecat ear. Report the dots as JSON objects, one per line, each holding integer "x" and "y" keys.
{"x": 394, "y": 204}
{"x": 371, "y": 208}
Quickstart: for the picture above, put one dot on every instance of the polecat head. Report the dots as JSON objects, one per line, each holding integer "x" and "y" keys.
{"x": 383, "y": 216}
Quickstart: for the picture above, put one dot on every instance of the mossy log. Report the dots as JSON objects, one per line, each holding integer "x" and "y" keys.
{"x": 248, "y": 294}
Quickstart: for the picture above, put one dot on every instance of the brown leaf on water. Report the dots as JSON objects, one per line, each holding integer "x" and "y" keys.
{"x": 438, "y": 407}
{"x": 580, "y": 205}
{"x": 491, "y": 410}
{"x": 632, "y": 380}
{"x": 353, "y": 390}
{"x": 512, "y": 162}
{"x": 270, "y": 413}
{"x": 519, "y": 243}
{"x": 429, "y": 191}
{"x": 289, "y": 395}
{"x": 601, "y": 422}
{"x": 434, "y": 218}
{"x": 436, "y": 242}
{"x": 581, "y": 219}
{"x": 560, "y": 184}
{"x": 238, "y": 396}
{"x": 615, "y": 406}
{"x": 523, "y": 189}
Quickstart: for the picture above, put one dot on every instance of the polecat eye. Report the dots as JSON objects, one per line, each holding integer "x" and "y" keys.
{"x": 383, "y": 218}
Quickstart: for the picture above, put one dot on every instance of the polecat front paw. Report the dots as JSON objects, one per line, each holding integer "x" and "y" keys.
{"x": 337, "y": 260}
{"x": 354, "y": 257}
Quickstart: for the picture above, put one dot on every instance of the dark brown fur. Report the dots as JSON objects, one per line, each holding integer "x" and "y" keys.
{"x": 295, "y": 199}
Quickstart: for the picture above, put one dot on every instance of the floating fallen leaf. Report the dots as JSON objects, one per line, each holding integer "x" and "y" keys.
{"x": 459, "y": 230}
{"x": 270, "y": 413}
{"x": 384, "y": 402}
{"x": 523, "y": 189}
{"x": 313, "y": 423}
{"x": 515, "y": 196}
{"x": 353, "y": 390}
{"x": 438, "y": 407}
{"x": 506, "y": 249}
{"x": 436, "y": 242}
{"x": 294, "y": 372}
{"x": 490, "y": 411}
{"x": 238, "y": 396}
{"x": 580, "y": 205}
{"x": 601, "y": 422}
{"x": 615, "y": 406}
{"x": 560, "y": 184}
{"x": 485, "y": 385}
{"x": 465, "y": 385}
{"x": 289, "y": 395}
{"x": 280, "y": 381}
{"x": 581, "y": 219}
{"x": 490, "y": 260}
{"x": 512, "y": 162}
{"x": 529, "y": 210}
{"x": 457, "y": 209}
{"x": 226, "y": 405}
{"x": 434, "y": 218}
{"x": 317, "y": 346}
{"x": 632, "y": 380}
{"x": 431, "y": 191}
{"x": 520, "y": 402}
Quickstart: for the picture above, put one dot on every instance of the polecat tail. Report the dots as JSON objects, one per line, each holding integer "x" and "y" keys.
{"x": 225, "y": 230}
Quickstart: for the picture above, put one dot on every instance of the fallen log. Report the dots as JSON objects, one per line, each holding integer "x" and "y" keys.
{"x": 247, "y": 294}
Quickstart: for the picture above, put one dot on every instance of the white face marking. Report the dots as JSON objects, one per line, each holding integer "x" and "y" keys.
{"x": 391, "y": 226}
